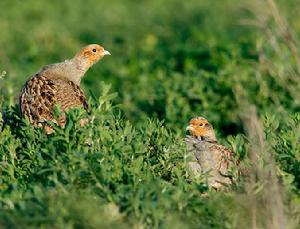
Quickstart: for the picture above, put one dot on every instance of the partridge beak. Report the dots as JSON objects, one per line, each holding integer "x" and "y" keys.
{"x": 106, "y": 53}
{"x": 189, "y": 128}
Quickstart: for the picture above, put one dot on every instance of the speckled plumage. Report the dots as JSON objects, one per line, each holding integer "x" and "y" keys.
{"x": 58, "y": 85}
{"x": 42, "y": 93}
{"x": 206, "y": 155}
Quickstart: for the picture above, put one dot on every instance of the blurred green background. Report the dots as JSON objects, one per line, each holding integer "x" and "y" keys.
{"x": 171, "y": 60}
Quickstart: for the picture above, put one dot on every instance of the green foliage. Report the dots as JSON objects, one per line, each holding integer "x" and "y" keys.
{"x": 284, "y": 138}
{"x": 135, "y": 175}
{"x": 171, "y": 60}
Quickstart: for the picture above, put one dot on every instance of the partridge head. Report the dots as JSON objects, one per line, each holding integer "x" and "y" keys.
{"x": 83, "y": 60}
{"x": 200, "y": 128}
{"x": 90, "y": 55}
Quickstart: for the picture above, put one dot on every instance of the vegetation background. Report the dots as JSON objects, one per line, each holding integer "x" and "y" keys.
{"x": 235, "y": 62}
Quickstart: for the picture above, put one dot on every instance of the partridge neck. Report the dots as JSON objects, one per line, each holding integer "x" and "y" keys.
{"x": 211, "y": 139}
{"x": 78, "y": 69}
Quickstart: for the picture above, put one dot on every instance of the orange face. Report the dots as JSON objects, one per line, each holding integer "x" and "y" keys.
{"x": 91, "y": 54}
{"x": 200, "y": 127}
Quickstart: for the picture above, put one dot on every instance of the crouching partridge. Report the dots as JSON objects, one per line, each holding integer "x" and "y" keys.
{"x": 207, "y": 156}
{"x": 58, "y": 85}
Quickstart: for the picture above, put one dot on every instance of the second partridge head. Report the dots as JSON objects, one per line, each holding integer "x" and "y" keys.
{"x": 199, "y": 127}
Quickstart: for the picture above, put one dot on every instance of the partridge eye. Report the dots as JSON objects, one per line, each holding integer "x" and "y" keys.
{"x": 201, "y": 124}
{"x": 94, "y": 50}
{"x": 206, "y": 124}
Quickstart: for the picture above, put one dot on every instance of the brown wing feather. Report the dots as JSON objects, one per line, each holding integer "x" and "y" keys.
{"x": 41, "y": 94}
{"x": 37, "y": 99}
{"x": 217, "y": 156}
{"x": 225, "y": 157}
{"x": 69, "y": 95}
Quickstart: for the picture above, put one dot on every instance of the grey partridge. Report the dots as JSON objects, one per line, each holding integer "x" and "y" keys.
{"x": 207, "y": 156}
{"x": 58, "y": 85}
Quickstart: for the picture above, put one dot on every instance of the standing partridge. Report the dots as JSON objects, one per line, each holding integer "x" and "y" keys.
{"x": 58, "y": 85}
{"x": 207, "y": 156}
